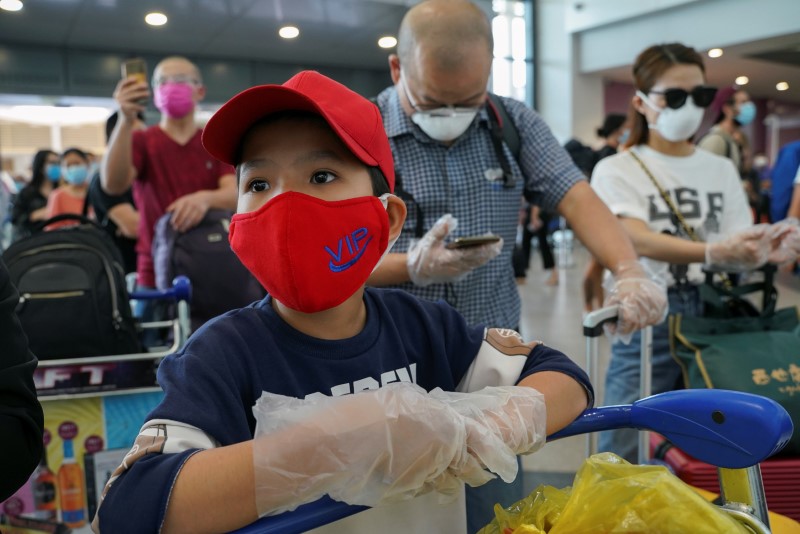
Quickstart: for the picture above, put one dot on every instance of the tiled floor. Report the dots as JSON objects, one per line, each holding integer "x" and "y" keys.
{"x": 554, "y": 315}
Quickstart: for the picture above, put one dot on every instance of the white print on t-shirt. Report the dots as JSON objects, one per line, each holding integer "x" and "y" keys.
{"x": 403, "y": 374}
{"x": 687, "y": 201}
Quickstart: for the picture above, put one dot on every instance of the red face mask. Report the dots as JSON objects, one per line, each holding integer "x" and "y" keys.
{"x": 311, "y": 254}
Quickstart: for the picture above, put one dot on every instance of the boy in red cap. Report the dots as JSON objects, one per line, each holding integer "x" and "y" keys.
{"x": 438, "y": 402}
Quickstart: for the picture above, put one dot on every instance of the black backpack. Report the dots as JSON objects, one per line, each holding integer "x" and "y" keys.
{"x": 583, "y": 156}
{"x": 220, "y": 282}
{"x": 73, "y": 299}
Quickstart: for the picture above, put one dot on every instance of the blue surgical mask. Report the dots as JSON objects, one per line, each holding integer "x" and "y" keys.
{"x": 53, "y": 172}
{"x": 747, "y": 112}
{"x": 76, "y": 174}
{"x": 623, "y": 137}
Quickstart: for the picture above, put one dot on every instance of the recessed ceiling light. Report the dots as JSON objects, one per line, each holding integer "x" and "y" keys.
{"x": 155, "y": 19}
{"x": 742, "y": 80}
{"x": 715, "y": 52}
{"x": 387, "y": 42}
{"x": 10, "y": 5}
{"x": 289, "y": 32}
{"x": 782, "y": 86}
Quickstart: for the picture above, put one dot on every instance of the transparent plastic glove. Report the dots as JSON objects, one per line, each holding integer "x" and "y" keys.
{"x": 429, "y": 262}
{"x": 641, "y": 296}
{"x": 371, "y": 448}
{"x": 785, "y": 246}
{"x": 743, "y": 251}
{"x": 516, "y": 414}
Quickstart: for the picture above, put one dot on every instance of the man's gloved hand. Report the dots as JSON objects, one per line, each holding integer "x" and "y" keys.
{"x": 429, "y": 262}
{"x": 641, "y": 298}
{"x": 743, "y": 251}
{"x": 374, "y": 447}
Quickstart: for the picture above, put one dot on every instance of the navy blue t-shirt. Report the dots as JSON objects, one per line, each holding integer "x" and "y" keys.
{"x": 214, "y": 381}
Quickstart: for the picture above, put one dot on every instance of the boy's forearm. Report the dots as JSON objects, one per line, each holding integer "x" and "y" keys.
{"x": 214, "y": 492}
{"x": 565, "y": 398}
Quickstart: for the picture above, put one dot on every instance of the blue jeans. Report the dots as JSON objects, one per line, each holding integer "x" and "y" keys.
{"x": 481, "y": 500}
{"x": 622, "y": 378}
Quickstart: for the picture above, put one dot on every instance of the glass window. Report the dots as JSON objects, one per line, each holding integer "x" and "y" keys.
{"x": 512, "y": 67}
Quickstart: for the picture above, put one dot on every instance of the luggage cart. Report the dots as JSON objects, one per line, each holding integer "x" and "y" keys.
{"x": 94, "y": 406}
{"x": 180, "y": 293}
{"x": 732, "y": 430}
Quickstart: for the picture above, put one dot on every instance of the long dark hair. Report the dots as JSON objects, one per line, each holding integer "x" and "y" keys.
{"x": 649, "y": 66}
{"x": 37, "y": 167}
{"x": 77, "y": 151}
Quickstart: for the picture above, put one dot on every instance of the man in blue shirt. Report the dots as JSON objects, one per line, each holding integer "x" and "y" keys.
{"x": 437, "y": 117}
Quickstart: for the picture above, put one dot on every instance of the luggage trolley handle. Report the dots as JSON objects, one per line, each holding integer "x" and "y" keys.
{"x": 593, "y": 324}
{"x": 730, "y": 429}
{"x": 181, "y": 293}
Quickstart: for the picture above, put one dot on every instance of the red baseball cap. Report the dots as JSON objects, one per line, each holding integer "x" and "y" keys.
{"x": 353, "y": 118}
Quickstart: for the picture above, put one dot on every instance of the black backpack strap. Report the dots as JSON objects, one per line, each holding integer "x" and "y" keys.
{"x": 408, "y": 198}
{"x": 79, "y": 219}
{"x": 503, "y": 130}
{"x": 509, "y": 129}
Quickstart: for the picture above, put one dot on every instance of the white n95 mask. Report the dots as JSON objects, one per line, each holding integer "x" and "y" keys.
{"x": 675, "y": 124}
{"x": 444, "y": 124}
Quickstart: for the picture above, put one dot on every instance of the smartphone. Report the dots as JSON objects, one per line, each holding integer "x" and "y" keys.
{"x": 135, "y": 68}
{"x": 472, "y": 241}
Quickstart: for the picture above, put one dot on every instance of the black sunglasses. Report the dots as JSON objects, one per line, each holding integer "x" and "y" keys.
{"x": 702, "y": 96}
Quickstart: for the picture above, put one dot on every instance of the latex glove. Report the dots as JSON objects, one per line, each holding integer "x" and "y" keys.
{"x": 371, "y": 448}
{"x": 785, "y": 241}
{"x": 429, "y": 262}
{"x": 743, "y": 251}
{"x": 641, "y": 297}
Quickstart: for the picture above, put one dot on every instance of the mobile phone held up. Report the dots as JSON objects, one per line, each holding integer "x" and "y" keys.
{"x": 135, "y": 68}
{"x": 472, "y": 241}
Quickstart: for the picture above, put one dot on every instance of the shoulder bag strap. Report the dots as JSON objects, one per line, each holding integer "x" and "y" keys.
{"x": 674, "y": 209}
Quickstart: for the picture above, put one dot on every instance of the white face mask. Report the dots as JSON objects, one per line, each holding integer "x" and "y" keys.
{"x": 442, "y": 124}
{"x": 675, "y": 124}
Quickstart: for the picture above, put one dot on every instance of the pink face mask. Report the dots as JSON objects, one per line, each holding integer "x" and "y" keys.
{"x": 174, "y": 99}
{"x": 311, "y": 254}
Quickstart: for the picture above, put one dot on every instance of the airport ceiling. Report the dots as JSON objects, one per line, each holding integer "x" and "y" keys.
{"x": 332, "y": 32}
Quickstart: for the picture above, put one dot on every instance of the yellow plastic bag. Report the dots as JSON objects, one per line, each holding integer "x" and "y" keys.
{"x": 611, "y": 495}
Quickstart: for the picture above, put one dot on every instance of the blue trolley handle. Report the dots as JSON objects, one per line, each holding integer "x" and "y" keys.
{"x": 181, "y": 293}
{"x": 729, "y": 429}
{"x": 181, "y": 290}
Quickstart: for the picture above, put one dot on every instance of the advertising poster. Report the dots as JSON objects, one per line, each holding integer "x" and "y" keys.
{"x": 86, "y": 438}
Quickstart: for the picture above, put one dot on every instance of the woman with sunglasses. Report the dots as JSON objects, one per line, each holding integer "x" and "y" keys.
{"x": 660, "y": 174}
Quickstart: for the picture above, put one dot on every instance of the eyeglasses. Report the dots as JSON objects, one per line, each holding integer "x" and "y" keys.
{"x": 439, "y": 110}
{"x": 702, "y": 96}
{"x": 178, "y": 78}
